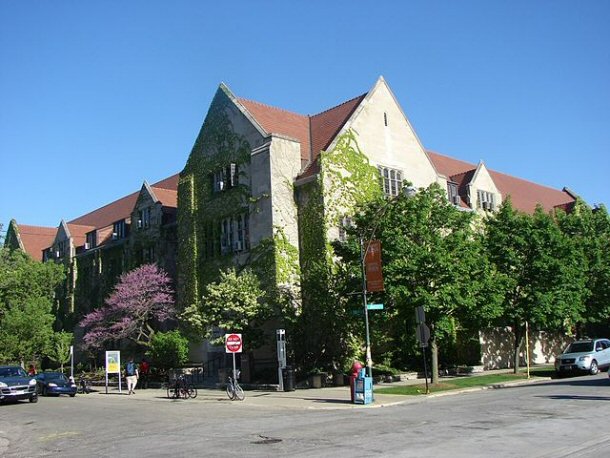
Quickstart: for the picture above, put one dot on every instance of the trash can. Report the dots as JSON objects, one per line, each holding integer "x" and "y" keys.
{"x": 288, "y": 378}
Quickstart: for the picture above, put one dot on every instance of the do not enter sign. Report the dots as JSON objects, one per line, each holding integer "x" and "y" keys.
{"x": 233, "y": 343}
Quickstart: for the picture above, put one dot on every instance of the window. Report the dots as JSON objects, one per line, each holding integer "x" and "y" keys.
{"x": 234, "y": 234}
{"x": 119, "y": 230}
{"x": 91, "y": 240}
{"x": 391, "y": 181}
{"x": 345, "y": 222}
{"x": 385, "y": 119}
{"x": 452, "y": 191}
{"x": 144, "y": 218}
{"x": 486, "y": 200}
{"x": 225, "y": 178}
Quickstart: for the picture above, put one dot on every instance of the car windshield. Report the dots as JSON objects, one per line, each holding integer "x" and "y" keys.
{"x": 579, "y": 347}
{"x": 55, "y": 376}
{"x": 12, "y": 372}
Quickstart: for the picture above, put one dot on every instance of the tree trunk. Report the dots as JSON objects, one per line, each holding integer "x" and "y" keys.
{"x": 518, "y": 339}
{"x": 434, "y": 354}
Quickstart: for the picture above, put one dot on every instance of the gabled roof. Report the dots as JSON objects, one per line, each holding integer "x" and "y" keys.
{"x": 524, "y": 194}
{"x": 315, "y": 133}
{"x": 35, "y": 239}
{"x": 278, "y": 121}
{"x": 167, "y": 197}
{"x": 121, "y": 208}
{"x": 79, "y": 233}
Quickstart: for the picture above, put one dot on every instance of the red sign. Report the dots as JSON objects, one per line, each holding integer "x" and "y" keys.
{"x": 372, "y": 267}
{"x": 233, "y": 343}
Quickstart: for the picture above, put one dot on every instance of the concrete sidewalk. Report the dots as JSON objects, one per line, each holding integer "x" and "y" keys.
{"x": 309, "y": 398}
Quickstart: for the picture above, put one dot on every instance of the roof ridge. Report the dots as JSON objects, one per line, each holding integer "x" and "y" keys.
{"x": 341, "y": 104}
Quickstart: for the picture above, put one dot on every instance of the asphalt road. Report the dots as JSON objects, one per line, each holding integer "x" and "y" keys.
{"x": 558, "y": 418}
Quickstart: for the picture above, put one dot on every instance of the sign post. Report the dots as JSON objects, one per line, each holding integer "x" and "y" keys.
{"x": 71, "y": 362}
{"x": 423, "y": 335}
{"x": 281, "y": 355}
{"x": 113, "y": 365}
{"x": 233, "y": 344}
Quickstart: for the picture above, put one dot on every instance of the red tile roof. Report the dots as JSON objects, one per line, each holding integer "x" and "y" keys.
{"x": 121, "y": 208}
{"x": 79, "y": 233}
{"x": 326, "y": 125}
{"x": 167, "y": 197}
{"x": 524, "y": 194}
{"x": 36, "y": 238}
{"x": 278, "y": 121}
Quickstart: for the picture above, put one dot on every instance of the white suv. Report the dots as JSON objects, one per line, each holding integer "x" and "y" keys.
{"x": 589, "y": 355}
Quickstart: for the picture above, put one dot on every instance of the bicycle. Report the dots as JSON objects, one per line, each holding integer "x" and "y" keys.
{"x": 84, "y": 385}
{"x": 181, "y": 389}
{"x": 234, "y": 391}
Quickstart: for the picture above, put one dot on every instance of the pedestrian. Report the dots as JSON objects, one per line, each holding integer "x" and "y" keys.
{"x": 144, "y": 373}
{"x": 131, "y": 374}
{"x": 31, "y": 370}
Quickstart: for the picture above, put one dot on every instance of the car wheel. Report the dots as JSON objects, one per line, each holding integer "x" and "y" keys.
{"x": 594, "y": 369}
{"x": 33, "y": 398}
{"x": 72, "y": 395}
{"x": 44, "y": 391}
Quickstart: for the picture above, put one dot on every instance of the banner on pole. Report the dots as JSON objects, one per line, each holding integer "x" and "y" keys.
{"x": 372, "y": 267}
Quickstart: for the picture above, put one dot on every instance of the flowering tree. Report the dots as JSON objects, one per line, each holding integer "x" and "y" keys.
{"x": 142, "y": 297}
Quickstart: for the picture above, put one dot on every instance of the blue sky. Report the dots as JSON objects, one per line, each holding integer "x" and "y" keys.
{"x": 98, "y": 96}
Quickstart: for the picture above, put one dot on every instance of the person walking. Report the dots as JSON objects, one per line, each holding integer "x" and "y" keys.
{"x": 131, "y": 374}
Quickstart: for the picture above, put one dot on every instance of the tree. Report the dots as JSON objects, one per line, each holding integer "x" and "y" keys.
{"x": 431, "y": 258}
{"x": 168, "y": 349}
{"x": 26, "y": 297}
{"x": 589, "y": 231}
{"x": 26, "y": 330}
{"x": 140, "y": 300}
{"x": 59, "y": 348}
{"x": 231, "y": 304}
{"x": 539, "y": 267}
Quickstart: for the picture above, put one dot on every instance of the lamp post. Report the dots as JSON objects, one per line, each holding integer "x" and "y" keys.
{"x": 408, "y": 192}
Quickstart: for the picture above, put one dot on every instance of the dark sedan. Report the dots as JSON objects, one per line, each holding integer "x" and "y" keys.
{"x": 55, "y": 383}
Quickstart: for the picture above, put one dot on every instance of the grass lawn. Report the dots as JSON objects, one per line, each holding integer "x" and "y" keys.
{"x": 465, "y": 382}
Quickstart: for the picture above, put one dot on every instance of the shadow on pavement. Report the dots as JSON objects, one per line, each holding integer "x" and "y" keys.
{"x": 576, "y": 397}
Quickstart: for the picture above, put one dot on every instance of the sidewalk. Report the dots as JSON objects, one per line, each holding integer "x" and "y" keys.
{"x": 310, "y": 398}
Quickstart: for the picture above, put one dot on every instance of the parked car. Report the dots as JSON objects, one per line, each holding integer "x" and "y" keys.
{"x": 588, "y": 355}
{"x": 16, "y": 384}
{"x": 55, "y": 383}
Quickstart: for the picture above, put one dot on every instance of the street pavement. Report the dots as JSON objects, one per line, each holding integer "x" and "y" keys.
{"x": 309, "y": 398}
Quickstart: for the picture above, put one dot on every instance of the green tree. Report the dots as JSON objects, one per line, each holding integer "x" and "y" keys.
{"x": 539, "y": 268}
{"x": 26, "y": 298}
{"x": 232, "y": 304}
{"x": 168, "y": 349}
{"x": 59, "y": 348}
{"x": 589, "y": 230}
{"x": 27, "y": 330}
{"x": 432, "y": 258}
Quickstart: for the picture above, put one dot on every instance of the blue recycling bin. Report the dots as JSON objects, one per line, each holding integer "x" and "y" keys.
{"x": 363, "y": 388}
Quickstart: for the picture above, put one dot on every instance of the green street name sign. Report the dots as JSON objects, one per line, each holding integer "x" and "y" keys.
{"x": 374, "y": 306}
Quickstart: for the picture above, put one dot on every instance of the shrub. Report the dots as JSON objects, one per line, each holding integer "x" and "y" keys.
{"x": 168, "y": 349}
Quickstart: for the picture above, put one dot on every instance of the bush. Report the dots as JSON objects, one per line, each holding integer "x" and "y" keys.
{"x": 382, "y": 369}
{"x": 168, "y": 349}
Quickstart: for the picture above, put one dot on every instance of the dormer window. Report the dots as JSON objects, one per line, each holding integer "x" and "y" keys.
{"x": 119, "y": 230}
{"x": 391, "y": 181}
{"x": 91, "y": 240}
{"x": 486, "y": 200}
{"x": 452, "y": 193}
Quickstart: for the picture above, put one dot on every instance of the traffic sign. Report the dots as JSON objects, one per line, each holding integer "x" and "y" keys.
{"x": 374, "y": 306}
{"x": 233, "y": 343}
{"x": 423, "y": 334}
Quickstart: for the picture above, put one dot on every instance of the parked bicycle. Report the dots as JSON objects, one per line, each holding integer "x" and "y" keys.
{"x": 84, "y": 385}
{"x": 234, "y": 391}
{"x": 181, "y": 388}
